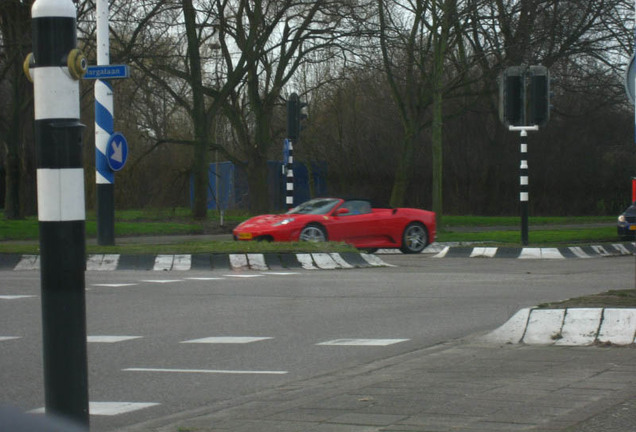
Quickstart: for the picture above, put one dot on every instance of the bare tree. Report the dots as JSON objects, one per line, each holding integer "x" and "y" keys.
{"x": 16, "y": 114}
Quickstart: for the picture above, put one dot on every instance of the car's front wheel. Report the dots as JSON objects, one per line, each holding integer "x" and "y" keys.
{"x": 414, "y": 238}
{"x": 313, "y": 233}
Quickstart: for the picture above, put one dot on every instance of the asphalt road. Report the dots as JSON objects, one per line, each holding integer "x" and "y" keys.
{"x": 196, "y": 338}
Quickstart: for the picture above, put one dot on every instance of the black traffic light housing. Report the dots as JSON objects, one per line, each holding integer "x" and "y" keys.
{"x": 524, "y": 96}
{"x": 294, "y": 116}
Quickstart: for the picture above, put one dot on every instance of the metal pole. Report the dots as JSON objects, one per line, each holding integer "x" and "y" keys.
{"x": 104, "y": 119}
{"x": 523, "y": 187}
{"x": 289, "y": 198}
{"x": 523, "y": 178}
{"x": 56, "y": 68}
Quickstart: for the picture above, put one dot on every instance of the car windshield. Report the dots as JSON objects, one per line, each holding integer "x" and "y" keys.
{"x": 315, "y": 206}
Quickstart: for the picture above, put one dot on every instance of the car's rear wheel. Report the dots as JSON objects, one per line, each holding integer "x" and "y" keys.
{"x": 414, "y": 238}
{"x": 313, "y": 233}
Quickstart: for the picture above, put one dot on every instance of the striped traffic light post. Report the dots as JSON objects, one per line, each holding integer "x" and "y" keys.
{"x": 55, "y": 67}
{"x": 524, "y": 183}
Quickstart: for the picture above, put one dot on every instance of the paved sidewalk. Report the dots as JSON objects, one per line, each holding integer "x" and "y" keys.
{"x": 458, "y": 386}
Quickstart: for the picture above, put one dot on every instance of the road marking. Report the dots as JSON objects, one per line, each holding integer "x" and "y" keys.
{"x": 28, "y": 262}
{"x": 114, "y": 285}
{"x": 257, "y": 261}
{"x": 244, "y": 276}
{"x": 206, "y": 371}
{"x": 109, "y": 408}
{"x": 485, "y": 252}
{"x": 239, "y": 261}
{"x": 102, "y": 262}
{"x": 227, "y": 340}
{"x": 324, "y": 261}
{"x": 579, "y": 252}
{"x": 362, "y": 342}
{"x": 110, "y": 339}
{"x": 8, "y": 338}
{"x": 269, "y": 273}
{"x": 205, "y": 278}
{"x": 162, "y": 281}
{"x": 182, "y": 262}
{"x": 375, "y": 260}
{"x": 340, "y": 260}
{"x": 15, "y": 297}
{"x": 163, "y": 262}
{"x": 306, "y": 261}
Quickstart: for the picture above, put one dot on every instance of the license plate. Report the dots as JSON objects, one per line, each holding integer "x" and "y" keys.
{"x": 245, "y": 236}
{"x": 632, "y": 227}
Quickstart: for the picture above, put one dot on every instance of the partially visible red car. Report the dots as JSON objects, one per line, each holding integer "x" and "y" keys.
{"x": 351, "y": 221}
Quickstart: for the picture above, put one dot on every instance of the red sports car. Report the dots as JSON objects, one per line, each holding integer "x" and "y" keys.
{"x": 350, "y": 221}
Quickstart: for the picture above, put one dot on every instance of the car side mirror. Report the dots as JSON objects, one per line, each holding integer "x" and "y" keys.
{"x": 342, "y": 211}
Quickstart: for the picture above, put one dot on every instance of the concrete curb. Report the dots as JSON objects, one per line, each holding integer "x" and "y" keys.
{"x": 594, "y": 251}
{"x": 567, "y": 327}
{"x": 225, "y": 262}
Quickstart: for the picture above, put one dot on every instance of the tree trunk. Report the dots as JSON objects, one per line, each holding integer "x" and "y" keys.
{"x": 201, "y": 156}
{"x": 403, "y": 172}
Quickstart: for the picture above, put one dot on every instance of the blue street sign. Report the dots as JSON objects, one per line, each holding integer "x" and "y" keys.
{"x": 117, "y": 151}
{"x": 107, "y": 72}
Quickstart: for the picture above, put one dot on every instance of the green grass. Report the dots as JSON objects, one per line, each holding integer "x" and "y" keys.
{"x": 543, "y": 231}
{"x": 613, "y": 298}
{"x": 552, "y": 237}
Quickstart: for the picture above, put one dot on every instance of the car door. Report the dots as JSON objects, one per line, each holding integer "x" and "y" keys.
{"x": 356, "y": 225}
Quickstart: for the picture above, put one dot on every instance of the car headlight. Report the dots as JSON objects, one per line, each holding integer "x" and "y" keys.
{"x": 621, "y": 218}
{"x": 284, "y": 222}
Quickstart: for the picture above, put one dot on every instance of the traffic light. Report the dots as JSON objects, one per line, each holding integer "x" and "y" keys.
{"x": 524, "y": 96}
{"x": 294, "y": 116}
{"x": 538, "y": 95}
{"x": 511, "y": 96}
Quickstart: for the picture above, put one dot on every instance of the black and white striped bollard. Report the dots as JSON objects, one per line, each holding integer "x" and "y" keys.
{"x": 523, "y": 187}
{"x": 289, "y": 197}
{"x": 523, "y": 178}
{"x": 55, "y": 67}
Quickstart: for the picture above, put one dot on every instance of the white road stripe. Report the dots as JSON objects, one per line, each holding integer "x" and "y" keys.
{"x": 551, "y": 253}
{"x": 239, "y": 261}
{"x": 227, "y": 340}
{"x": 601, "y": 250}
{"x": 375, "y": 261}
{"x": 483, "y": 252}
{"x": 578, "y": 251}
{"x": 306, "y": 261}
{"x": 114, "y": 285}
{"x": 324, "y": 261}
{"x": 102, "y": 262}
{"x": 340, "y": 260}
{"x": 162, "y": 281}
{"x": 257, "y": 262}
{"x": 205, "y": 278}
{"x": 110, "y": 408}
{"x": 110, "y": 339}
{"x": 15, "y": 297}
{"x": 8, "y": 338}
{"x": 182, "y": 262}
{"x": 206, "y": 371}
{"x": 362, "y": 342}
{"x": 163, "y": 262}
{"x": 28, "y": 262}
{"x": 442, "y": 253}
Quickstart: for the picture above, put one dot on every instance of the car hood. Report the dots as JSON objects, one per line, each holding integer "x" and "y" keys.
{"x": 264, "y": 220}
{"x": 631, "y": 211}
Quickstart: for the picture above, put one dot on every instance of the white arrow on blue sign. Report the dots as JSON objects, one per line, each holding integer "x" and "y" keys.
{"x": 117, "y": 151}
{"x": 107, "y": 72}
